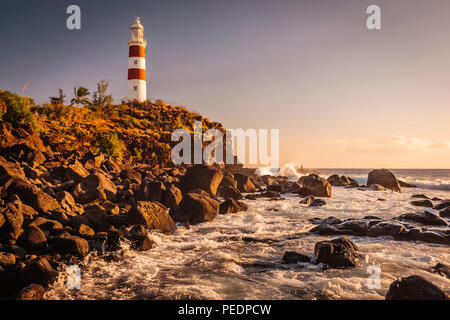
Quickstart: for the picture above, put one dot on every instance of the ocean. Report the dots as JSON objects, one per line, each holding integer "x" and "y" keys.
{"x": 238, "y": 256}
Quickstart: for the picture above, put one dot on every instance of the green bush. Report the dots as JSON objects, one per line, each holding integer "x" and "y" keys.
{"x": 111, "y": 145}
{"x": 18, "y": 109}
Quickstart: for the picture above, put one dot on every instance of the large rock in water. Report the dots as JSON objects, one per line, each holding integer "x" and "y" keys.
{"x": 39, "y": 271}
{"x": 415, "y": 288}
{"x": 232, "y": 206}
{"x": 152, "y": 216}
{"x": 244, "y": 183}
{"x": 95, "y": 186}
{"x": 384, "y": 178}
{"x": 425, "y": 218}
{"x": 337, "y": 253}
{"x": 196, "y": 208}
{"x": 313, "y": 185}
{"x": 201, "y": 177}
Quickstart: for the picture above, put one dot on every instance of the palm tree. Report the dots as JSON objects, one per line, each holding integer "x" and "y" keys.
{"x": 81, "y": 94}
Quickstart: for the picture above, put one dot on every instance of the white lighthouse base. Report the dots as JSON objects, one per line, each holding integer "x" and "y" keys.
{"x": 137, "y": 90}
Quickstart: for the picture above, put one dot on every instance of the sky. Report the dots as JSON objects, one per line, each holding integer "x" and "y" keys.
{"x": 342, "y": 96}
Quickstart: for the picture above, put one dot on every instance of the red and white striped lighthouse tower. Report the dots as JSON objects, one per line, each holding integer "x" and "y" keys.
{"x": 137, "y": 82}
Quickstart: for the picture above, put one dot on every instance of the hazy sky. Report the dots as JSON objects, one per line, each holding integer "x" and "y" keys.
{"x": 341, "y": 95}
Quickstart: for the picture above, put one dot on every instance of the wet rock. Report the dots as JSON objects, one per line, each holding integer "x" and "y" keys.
{"x": 275, "y": 187}
{"x": 270, "y": 194}
{"x": 384, "y": 178}
{"x": 244, "y": 183}
{"x": 202, "y": 177}
{"x": 313, "y": 185}
{"x": 38, "y": 271}
{"x": 337, "y": 253}
{"x": 230, "y": 192}
{"x": 95, "y": 186}
{"x": 422, "y": 203}
{"x": 442, "y": 205}
{"x": 326, "y": 221}
{"x": 294, "y": 257}
{"x": 445, "y": 213}
{"x": 68, "y": 244}
{"x": 415, "y": 288}
{"x": 152, "y": 216}
{"x": 337, "y": 181}
{"x": 377, "y": 187}
{"x": 172, "y": 196}
{"x": 228, "y": 181}
{"x": 308, "y": 200}
{"x": 32, "y": 292}
{"x": 419, "y": 196}
{"x": 318, "y": 203}
{"x": 386, "y": 228}
{"x": 404, "y": 184}
{"x": 232, "y": 206}
{"x": 140, "y": 239}
{"x": 441, "y": 269}
{"x": 32, "y": 239}
{"x": 196, "y": 208}
{"x": 426, "y": 235}
{"x": 425, "y": 218}
{"x": 33, "y": 196}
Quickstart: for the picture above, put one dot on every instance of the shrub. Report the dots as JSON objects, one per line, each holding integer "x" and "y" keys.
{"x": 111, "y": 145}
{"x": 18, "y": 109}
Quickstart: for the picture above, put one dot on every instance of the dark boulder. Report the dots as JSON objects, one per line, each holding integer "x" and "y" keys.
{"x": 203, "y": 177}
{"x": 33, "y": 196}
{"x": 441, "y": 269}
{"x": 384, "y": 178}
{"x": 415, "y": 288}
{"x": 230, "y": 192}
{"x": 386, "y": 228}
{"x": 445, "y": 213}
{"x": 95, "y": 186}
{"x": 68, "y": 244}
{"x": 404, "y": 184}
{"x": 75, "y": 172}
{"x": 152, "y": 216}
{"x": 32, "y": 292}
{"x": 152, "y": 191}
{"x": 132, "y": 175}
{"x": 313, "y": 185}
{"x": 32, "y": 238}
{"x": 244, "y": 183}
{"x": 232, "y": 206}
{"x": 422, "y": 203}
{"x": 318, "y": 203}
{"x": 171, "y": 196}
{"x": 294, "y": 257}
{"x": 11, "y": 220}
{"x": 442, "y": 205}
{"x": 308, "y": 200}
{"x": 196, "y": 208}
{"x": 337, "y": 253}
{"x": 38, "y": 271}
{"x": 425, "y": 218}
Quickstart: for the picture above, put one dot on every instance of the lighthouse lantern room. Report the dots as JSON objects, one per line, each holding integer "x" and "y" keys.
{"x": 137, "y": 83}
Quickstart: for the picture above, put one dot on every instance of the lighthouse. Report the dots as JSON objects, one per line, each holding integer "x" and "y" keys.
{"x": 137, "y": 82}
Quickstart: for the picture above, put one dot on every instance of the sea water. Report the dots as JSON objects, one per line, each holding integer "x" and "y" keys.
{"x": 238, "y": 256}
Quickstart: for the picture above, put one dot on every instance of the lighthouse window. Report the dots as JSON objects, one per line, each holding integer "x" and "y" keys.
{"x": 135, "y": 88}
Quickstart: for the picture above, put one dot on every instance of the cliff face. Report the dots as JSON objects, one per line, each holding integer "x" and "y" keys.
{"x": 140, "y": 132}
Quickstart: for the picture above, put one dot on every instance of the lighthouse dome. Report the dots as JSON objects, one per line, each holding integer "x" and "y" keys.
{"x": 137, "y": 24}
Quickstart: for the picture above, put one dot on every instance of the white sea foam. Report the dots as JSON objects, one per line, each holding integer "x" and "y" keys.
{"x": 238, "y": 256}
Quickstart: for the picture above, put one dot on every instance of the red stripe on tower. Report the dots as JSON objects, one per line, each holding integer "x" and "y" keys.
{"x": 137, "y": 51}
{"x": 138, "y": 74}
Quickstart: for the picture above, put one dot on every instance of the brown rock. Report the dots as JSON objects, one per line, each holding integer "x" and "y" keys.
{"x": 230, "y": 192}
{"x": 7, "y": 258}
{"x": 95, "y": 186}
{"x": 232, "y": 206}
{"x": 12, "y": 215}
{"x": 32, "y": 292}
{"x": 74, "y": 245}
{"x": 196, "y": 208}
{"x": 33, "y": 196}
{"x": 202, "y": 177}
{"x": 337, "y": 253}
{"x": 152, "y": 216}
{"x": 313, "y": 185}
{"x": 384, "y": 178}
{"x": 75, "y": 172}
{"x": 244, "y": 184}
{"x": 39, "y": 271}
{"x": 422, "y": 203}
{"x": 425, "y": 218}
{"x": 415, "y": 288}
{"x": 172, "y": 196}
{"x": 32, "y": 238}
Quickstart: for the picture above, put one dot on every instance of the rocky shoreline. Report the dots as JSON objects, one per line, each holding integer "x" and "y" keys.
{"x": 57, "y": 208}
